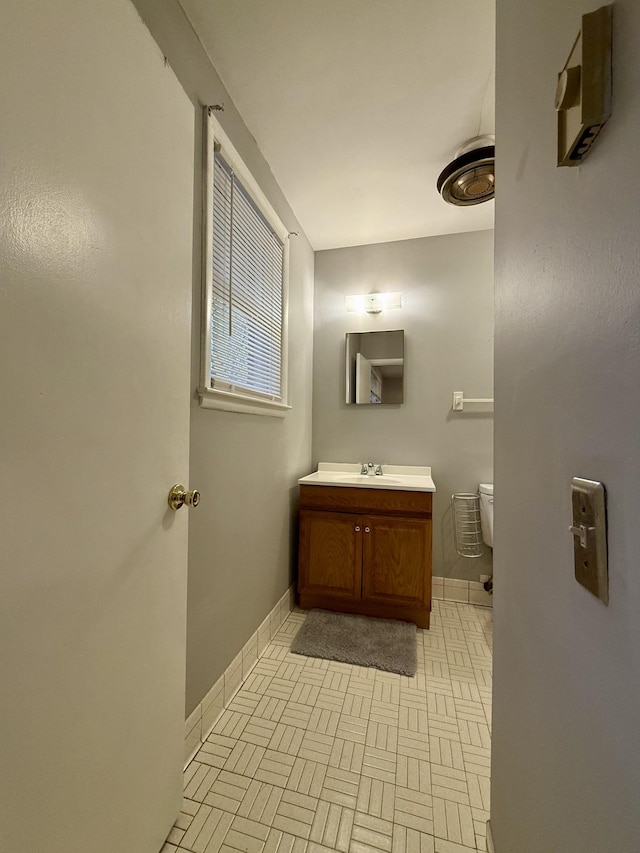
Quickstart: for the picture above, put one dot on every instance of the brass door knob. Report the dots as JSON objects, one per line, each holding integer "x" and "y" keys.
{"x": 178, "y": 496}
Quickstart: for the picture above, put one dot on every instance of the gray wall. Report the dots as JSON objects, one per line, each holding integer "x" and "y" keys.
{"x": 242, "y": 536}
{"x": 566, "y": 742}
{"x": 447, "y": 315}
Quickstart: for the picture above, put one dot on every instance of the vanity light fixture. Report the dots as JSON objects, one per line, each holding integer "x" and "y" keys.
{"x": 373, "y": 303}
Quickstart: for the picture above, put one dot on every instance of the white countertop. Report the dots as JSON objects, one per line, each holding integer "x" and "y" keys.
{"x": 405, "y": 478}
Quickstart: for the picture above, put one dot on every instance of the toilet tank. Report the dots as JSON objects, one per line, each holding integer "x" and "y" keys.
{"x": 486, "y": 512}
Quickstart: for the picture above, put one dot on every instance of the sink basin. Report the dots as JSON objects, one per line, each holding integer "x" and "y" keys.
{"x": 410, "y": 478}
{"x": 370, "y": 482}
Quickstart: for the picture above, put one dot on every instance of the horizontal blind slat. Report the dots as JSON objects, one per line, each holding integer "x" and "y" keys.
{"x": 251, "y": 356}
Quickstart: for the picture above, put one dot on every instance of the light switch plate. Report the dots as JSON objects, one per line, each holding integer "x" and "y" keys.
{"x": 588, "y": 500}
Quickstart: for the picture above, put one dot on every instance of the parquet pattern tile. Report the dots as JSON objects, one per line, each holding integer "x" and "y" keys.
{"x": 313, "y": 756}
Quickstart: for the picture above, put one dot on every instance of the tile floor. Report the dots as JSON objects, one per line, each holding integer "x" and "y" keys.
{"x": 314, "y": 756}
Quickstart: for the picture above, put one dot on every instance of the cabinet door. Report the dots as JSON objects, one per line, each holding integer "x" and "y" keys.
{"x": 397, "y": 561}
{"x": 330, "y": 554}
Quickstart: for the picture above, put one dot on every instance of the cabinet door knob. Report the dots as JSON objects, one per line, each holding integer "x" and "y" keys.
{"x": 367, "y": 529}
{"x": 357, "y": 528}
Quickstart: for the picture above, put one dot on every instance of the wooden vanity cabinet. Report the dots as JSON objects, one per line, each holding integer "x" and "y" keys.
{"x": 366, "y": 551}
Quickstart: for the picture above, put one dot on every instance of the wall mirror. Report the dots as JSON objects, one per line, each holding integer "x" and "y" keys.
{"x": 375, "y": 367}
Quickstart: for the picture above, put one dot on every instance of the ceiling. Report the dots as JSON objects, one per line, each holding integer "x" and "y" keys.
{"x": 357, "y": 105}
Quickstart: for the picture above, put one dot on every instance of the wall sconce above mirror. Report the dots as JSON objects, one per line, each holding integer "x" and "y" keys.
{"x": 374, "y": 367}
{"x": 373, "y": 303}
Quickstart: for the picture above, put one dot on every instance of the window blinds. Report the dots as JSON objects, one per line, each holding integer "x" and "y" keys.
{"x": 247, "y": 293}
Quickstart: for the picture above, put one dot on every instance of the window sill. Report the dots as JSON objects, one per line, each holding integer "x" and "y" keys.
{"x": 228, "y": 402}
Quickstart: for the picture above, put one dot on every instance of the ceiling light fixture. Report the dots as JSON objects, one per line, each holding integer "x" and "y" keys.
{"x": 470, "y": 177}
{"x": 373, "y": 303}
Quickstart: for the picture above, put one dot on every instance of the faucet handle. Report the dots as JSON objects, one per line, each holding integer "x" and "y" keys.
{"x": 378, "y": 471}
{"x": 363, "y": 468}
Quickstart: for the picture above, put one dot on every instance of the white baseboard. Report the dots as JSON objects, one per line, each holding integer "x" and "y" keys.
{"x": 203, "y": 718}
{"x": 453, "y": 589}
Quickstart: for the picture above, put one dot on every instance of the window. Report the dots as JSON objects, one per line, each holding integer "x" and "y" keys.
{"x": 246, "y": 251}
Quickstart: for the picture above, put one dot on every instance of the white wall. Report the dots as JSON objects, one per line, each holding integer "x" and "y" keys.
{"x": 447, "y": 315}
{"x": 242, "y": 536}
{"x": 566, "y": 742}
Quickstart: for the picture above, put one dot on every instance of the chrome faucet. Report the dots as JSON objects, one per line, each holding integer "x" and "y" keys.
{"x": 370, "y": 469}
{"x": 367, "y": 468}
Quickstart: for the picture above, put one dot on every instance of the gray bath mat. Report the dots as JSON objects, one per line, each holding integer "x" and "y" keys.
{"x": 384, "y": 643}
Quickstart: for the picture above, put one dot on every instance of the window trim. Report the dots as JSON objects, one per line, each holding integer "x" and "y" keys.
{"x": 238, "y": 400}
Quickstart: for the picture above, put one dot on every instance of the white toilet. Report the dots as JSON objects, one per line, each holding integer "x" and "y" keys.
{"x": 486, "y": 512}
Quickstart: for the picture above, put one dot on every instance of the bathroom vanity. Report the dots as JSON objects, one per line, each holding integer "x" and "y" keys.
{"x": 365, "y": 541}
